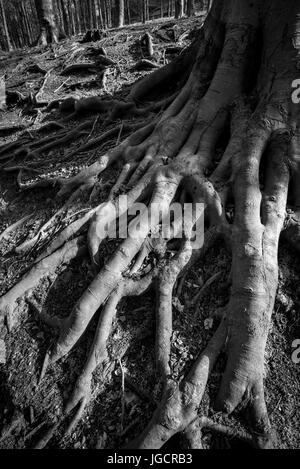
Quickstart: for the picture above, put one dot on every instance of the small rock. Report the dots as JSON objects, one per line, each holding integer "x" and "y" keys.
{"x": 208, "y": 323}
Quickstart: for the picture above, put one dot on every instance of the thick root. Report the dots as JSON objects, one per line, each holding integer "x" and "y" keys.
{"x": 30, "y": 280}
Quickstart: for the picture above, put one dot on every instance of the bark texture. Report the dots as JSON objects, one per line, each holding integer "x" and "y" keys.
{"x": 179, "y": 8}
{"x": 120, "y": 13}
{"x": 239, "y": 69}
{"x": 7, "y": 36}
{"x": 49, "y": 30}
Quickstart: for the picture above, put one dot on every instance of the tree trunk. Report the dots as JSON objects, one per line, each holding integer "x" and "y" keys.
{"x": 179, "y": 8}
{"x": 71, "y": 14}
{"x": 128, "y": 12}
{"x": 169, "y": 8}
{"x": 145, "y": 11}
{"x": 48, "y": 28}
{"x": 190, "y": 10}
{"x": 24, "y": 14}
{"x": 108, "y": 13}
{"x": 120, "y": 13}
{"x": 65, "y": 20}
{"x": 77, "y": 16}
{"x": 7, "y": 36}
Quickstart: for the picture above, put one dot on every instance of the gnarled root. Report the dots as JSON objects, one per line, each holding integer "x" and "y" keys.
{"x": 30, "y": 280}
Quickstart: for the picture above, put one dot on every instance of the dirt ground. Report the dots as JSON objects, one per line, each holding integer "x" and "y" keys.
{"x": 131, "y": 345}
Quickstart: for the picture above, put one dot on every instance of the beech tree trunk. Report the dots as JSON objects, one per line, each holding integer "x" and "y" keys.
{"x": 190, "y": 10}
{"x": 49, "y": 30}
{"x": 179, "y": 8}
{"x": 145, "y": 10}
{"x": 128, "y": 12}
{"x": 120, "y": 13}
{"x": 235, "y": 79}
{"x": 7, "y": 35}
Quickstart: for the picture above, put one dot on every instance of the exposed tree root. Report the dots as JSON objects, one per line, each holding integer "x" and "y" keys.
{"x": 172, "y": 159}
{"x": 31, "y": 279}
{"x": 84, "y": 67}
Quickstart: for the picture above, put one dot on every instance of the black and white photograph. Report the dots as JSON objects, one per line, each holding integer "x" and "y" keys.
{"x": 150, "y": 227}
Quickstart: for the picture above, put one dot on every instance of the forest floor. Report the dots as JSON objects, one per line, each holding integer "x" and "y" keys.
{"x": 131, "y": 345}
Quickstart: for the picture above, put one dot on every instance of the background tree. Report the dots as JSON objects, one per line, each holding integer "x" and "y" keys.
{"x": 190, "y": 9}
{"x": 145, "y": 10}
{"x": 71, "y": 17}
{"x": 231, "y": 92}
{"x": 179, "y": 8}
{"x": 6, "y": 32}
{"x": 48, "y": 27}
{"x": 120, "y": 12}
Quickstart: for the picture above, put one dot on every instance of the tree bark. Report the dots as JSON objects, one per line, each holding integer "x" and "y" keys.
{"x": 145, "y": 11}
{"x": 65, "y": 21}
{"x": 169, "y": 8}
{"x": 179, "y": 8}
{"x": 7, "y": 36}
{"x": 48, "y": 28}
{"x": 120, "y": 13}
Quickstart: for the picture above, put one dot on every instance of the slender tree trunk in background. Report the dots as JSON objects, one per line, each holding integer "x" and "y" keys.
{"x": 31, "y": 22}
{"x": 179, "y": 8}
{"x": 77, "y": 16}
{"x": 143, "y": 11}
{"x": 169, "y": 8}
{"x": 108, "y": 13}
{"x": 90, "y": 13}
{"x": 237, "y": 74}
{"x": 128, "y": 12}
{"x": 98, "y": 14}
{"x": 7, "y": 36}
{"x": 105, "y": 19}
{"x": 94, "y": 12}
{"x": 120, "y": 13}
{"x": 49, "y": 30}
{"x": 65, "y": 19}
{"x": 24, "y": 15}
{"x": 190, "y": 7}
{"x": 162, "y": 8}
{"x": 15, "y": 32}
{"x": 101, "y": 21}
{"x": 71, "y": 15}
